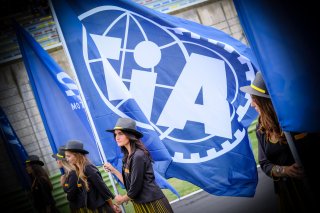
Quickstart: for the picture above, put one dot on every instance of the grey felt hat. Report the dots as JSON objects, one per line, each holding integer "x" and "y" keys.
{"x": 75, "y": 146}
{"x": 127, "y": 125}
{"x": 257, "y": 87}
{"x": 61, "y": 154}
{"x": 34, "y": 159}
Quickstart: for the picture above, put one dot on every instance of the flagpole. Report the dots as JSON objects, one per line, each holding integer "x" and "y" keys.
{"x": 293, "y": 148}
{"x": 296, "y": 156}
{"x": 88, "y": 113}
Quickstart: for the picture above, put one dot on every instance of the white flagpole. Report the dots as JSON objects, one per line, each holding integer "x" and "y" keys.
{"x": 94, "y": 130}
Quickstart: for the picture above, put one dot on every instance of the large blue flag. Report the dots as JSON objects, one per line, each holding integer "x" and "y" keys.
{"x": 288, "y": 54}
{"x": 57, "y": 97}
{"x": 66, "y": 118}
{"x": 178, "y": 79}
{"x": 15, "y": 150}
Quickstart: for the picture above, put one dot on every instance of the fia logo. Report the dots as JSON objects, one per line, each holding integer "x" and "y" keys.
{"x": 186, "y": 86}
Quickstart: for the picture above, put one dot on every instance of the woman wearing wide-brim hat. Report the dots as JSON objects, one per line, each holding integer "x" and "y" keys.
{"x": 274, "y": 154}
{"x": 70, "y": 183}
{"x": 98, "y": 196}
{"x": 137, "y": 171}
{"x": 61, "y": 160}
{"x": 41, "y": 187}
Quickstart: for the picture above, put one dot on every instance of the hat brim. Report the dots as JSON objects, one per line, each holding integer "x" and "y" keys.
{"x": 56, "y": 157}
{"x": 82, "y": 151}
{"x": 251, "y": 91}
{"x": 36, "y": 162}
{"x": 134, "y": 132}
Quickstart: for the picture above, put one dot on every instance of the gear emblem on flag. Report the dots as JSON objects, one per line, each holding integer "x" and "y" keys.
{"x": 186, "y": 86}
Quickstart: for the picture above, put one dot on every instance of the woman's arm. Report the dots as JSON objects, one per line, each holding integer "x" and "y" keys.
{"x": 119, "y": 199}
{"x": 265, "y": 163}
{"x": 108, "y": 167}
{"x": 71, "y": 186}
{"x": 95, "y": 179}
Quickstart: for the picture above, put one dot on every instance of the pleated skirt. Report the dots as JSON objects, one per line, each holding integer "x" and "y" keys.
{"x": 103, "y": 209}
{"x": 158, "y": 206}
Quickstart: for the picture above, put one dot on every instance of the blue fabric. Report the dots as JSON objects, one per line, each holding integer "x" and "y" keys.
{"x": 164, "y": 184}
{"x": 178, "y": 79}
{"x": 287, "y": 52}
{"x": 57, "y": 97}
{"x": 15, "y": 150}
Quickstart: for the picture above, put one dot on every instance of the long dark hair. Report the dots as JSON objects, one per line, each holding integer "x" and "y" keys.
{"x": 268, "y": 119}
{"x": 38, "y": 172}
{"x": 135, "y": 143}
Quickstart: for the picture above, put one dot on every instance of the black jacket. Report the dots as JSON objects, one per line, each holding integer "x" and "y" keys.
{"x": 98, "y": 192}
{"x": 75, "y": 190}
{"x": 307, "y": 147}
{"x": 139, "y": 179}
{"x": 42, "y": 195}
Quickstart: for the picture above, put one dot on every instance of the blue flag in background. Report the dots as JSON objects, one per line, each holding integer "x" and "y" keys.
{"x": 178, "y": 79}
{"x": 288, "y": 57}
{"x": 59, "y": 101}
{"x": 57, "y": 97}
{"x": 15, "y": 150}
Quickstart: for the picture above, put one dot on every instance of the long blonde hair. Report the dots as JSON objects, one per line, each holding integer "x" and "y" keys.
{"x": 67, "y": 166}
{"x": 81, "y": 163}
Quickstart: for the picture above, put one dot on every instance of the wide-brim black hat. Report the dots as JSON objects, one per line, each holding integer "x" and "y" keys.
{"x": 61, "y": 154}
{"x": 75, "y": 146}
{"x": 127, "y": 125}
{"x": 34, "y": 159}
{"x": 258, "y": 87}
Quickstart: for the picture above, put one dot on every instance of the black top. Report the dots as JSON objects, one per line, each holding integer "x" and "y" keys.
{"x": 41, "y": 194}
{"x": 270, "y": 154}
{"x": 98, "y": 192}
{"x": 307, "y": 147}
{"x": 139, "y": 178}
{"x": 76, "y": 193}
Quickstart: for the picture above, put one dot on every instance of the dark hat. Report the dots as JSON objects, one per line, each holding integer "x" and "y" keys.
{"x": 257, "y": 87}
{"x": 34, "y": 159}
{"x": 127, "y": 125}
{"x": 75, "y": 146}
{"x": 61, "y": 154}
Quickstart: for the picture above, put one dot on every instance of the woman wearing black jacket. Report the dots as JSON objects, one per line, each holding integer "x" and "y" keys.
{"x": 99, "y": 197}
{"x": 41, "y": 188}
{"x": 293, "y": 183}
{"x": 72, "y": 185}
{"x": 137, "y": 171}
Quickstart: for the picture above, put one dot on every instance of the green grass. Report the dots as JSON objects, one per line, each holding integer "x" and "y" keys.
{"x": 253, "y": 139}
{"x": 183, "y": 188}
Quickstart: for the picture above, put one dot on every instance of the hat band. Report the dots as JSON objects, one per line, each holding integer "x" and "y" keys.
{"x": 28, "y": 161}
{"x": 118, "y": 127}
{"x": 258, "y": 89}
{"x": 60, "y": 156}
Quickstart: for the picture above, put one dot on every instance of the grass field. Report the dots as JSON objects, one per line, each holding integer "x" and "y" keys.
{"x": 184, "y": 187}
{"x": 253, "y": 139}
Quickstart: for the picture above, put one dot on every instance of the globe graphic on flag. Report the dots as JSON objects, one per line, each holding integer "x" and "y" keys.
{"x": 131, "y": 67}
